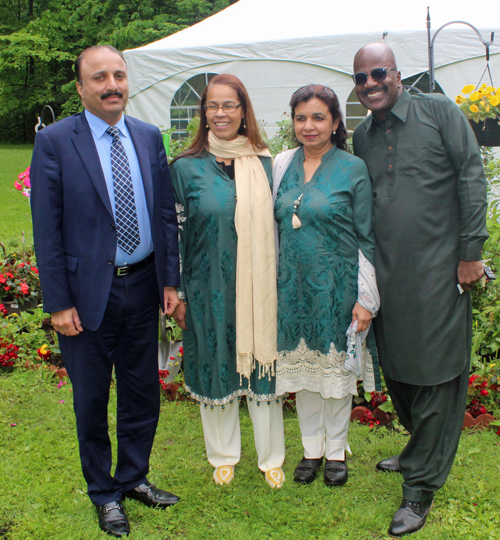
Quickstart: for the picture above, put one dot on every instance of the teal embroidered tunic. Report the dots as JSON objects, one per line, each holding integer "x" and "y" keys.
{"x": 318, "y": 273}
{"x": 206, "y": 202}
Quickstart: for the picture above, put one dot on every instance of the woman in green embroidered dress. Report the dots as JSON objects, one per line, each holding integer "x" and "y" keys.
{"x": 327, "y": 292}
{"x": 225, "y": 211}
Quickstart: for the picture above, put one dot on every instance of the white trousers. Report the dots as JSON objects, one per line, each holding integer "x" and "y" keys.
{"x": 324, "y": 424}
{"x": 221, "y": 429}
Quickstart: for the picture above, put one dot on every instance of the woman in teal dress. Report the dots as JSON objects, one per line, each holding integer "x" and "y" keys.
{"x": 327, "y": 292}
{"x": 229, "y": 313}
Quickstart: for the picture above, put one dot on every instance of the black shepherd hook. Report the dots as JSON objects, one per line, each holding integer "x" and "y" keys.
{"x": 40, "y": 125}
{"x": 430, "y": 43}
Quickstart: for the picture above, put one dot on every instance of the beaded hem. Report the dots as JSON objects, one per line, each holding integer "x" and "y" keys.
{"x": 235, "y": 395}
{"x": 307, "y": 369}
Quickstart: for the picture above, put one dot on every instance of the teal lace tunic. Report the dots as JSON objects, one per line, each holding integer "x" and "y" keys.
{"x": 318, "y": 273}
{"x": 206, "y": 202}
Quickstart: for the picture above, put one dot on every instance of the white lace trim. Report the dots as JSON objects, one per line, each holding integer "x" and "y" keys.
{"x": 306, "y": 369}
{"x": 235, "y": 395}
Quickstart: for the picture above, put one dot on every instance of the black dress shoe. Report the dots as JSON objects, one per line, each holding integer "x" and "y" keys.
{"x": 335, "y": 472}
{"x": 409, "y": 518}
{"x": 306, "y": 470}
{"x": 389, "y": 465}
{"x": 112, "y": 518}
{"x": 150, "y": 495}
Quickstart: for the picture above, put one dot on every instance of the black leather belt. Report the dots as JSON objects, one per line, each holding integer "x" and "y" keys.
{"x": 129, "y": 268}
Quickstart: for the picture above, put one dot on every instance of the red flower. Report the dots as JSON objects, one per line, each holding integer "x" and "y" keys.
{"x": 44, "y": 353}
{"x": 472, "y": 378}
{"x": 3, "y": 310}
{"x": 484, "y": 384}
{"x": 34, "y": 269}
{"x": 24, "y": 288}
{"x": 2, "y": 278}
{"x": 484, "y": 392}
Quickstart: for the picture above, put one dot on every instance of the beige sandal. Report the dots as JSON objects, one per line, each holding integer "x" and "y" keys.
{"x": 275, "y": 477}
{"x": 223, "y": 475}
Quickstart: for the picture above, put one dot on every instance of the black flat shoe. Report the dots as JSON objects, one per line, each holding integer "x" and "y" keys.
{"x": 306, "y": 470}
{"x": 389, "y": 465}
{"x": 335, "y": 472}
{"x": 112, "y": 519}
{"x": 150, "y": 495}
{"x": 409, "y": 518}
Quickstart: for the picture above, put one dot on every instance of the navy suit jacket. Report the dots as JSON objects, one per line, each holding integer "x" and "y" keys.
{"x": 73, "y": 224}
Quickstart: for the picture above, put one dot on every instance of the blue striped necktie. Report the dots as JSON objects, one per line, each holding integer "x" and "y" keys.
{"x": 127, "y": 225}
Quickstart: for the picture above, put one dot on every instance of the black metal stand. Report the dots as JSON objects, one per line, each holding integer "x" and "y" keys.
{"x": 430, "y": 44}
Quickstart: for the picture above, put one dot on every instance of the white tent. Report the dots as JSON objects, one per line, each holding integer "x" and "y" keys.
{"x": 276, "y": 46}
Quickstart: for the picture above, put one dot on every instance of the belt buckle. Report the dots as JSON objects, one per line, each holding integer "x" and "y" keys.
{"x": 122, "y": 270}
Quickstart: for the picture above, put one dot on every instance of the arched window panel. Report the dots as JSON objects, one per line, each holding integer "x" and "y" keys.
{"x": 186, "y": 102}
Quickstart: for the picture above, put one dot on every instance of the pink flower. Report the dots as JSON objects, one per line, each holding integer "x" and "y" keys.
{"x": 62, "y": 401}
{"x": 18, "y": 186}
{"x": 61, "y": 383}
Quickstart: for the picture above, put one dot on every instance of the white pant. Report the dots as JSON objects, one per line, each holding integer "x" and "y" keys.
{"x": 319, "y": 417}
{"x": 221, "y": 429}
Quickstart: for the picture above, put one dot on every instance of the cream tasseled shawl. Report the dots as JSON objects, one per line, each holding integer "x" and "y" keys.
{"x": 256, "y": 292}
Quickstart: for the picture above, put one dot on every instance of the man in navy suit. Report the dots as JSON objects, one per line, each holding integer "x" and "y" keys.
{"x": 105, "y": 235}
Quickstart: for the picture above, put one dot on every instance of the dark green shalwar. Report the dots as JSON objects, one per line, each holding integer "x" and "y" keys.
{"x": 429, "y": 194}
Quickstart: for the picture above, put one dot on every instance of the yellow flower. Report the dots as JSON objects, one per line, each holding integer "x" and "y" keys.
{"x": 43, "y": 349}
{"x": 487, "y": 108}
{"x": 495, "y": 100}
{"x": 489, "y": 89}
{"x": 468, "y": 89}
{"x": 459, "y": 100}
{"x": 475, "y": 96}
{"x": 473, "y": 108}
{"x": 483, "y": 86}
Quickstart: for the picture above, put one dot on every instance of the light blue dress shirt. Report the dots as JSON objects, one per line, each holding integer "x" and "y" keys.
{"x": 103, "y": 142}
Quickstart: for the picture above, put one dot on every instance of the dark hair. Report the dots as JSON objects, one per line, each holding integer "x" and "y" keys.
{"x": 330, "y": 99}
{"x": 78, "y": 61}
{"x": 200, "y": 142}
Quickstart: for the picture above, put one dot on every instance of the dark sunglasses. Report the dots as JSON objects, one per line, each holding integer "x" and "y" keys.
{"x": 378, "y": 75}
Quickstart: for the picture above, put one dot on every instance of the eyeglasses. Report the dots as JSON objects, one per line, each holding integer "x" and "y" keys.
{"x": 212, "y": 108}
{"x": 377, "y": 74}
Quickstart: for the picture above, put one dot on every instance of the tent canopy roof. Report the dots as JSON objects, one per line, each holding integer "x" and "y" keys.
{"x": 317, "y": 32}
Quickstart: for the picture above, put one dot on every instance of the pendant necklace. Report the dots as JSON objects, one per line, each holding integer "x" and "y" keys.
{"x": 296, "y": 223}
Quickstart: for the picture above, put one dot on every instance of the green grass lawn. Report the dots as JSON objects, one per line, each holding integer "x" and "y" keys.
{"x": 15, "y": 215}
{"x": 43, "y": 493}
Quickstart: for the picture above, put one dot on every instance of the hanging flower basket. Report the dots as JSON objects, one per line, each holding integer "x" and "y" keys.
{"x": 482, "y": 108}
{"x": 487, "y": 131}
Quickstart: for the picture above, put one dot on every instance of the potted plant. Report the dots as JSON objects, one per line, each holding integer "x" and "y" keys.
{"x": 19, "y": 281}
{"x": 482, "y": 108}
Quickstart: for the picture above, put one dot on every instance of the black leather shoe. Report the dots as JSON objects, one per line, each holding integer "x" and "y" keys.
{"x": 112, "y": 519}
{"x": 335, "y": 472}
{"x": 409, "y": 518}
{"x": 306, "y": 470}
{"x": 150, "y": 495}
{"x": 389, "y": 465}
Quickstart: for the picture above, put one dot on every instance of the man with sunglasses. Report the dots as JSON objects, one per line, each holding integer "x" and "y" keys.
{"x": 429, "y": 194}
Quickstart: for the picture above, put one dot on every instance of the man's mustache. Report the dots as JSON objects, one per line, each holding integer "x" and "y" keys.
{"x": 111, "y": 93}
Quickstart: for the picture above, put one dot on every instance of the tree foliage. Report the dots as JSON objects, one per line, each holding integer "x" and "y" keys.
{"x": 40, "y": 39}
